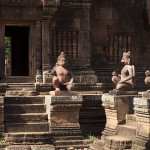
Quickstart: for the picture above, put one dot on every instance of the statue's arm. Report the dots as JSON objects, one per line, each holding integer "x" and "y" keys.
{"x": 53, "y": 72}
{"x": 115, "y": 74}
{"x": 131, "y": 74}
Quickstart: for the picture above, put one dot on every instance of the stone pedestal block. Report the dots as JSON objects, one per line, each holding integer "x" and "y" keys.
{"x": 142, "y": 112}
{"x": 116, "y": 108}
{"x": 63, "y": 114}
{"x": 1, "y": 116}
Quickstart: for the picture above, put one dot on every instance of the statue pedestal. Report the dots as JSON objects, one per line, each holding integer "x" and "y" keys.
{"x": 1, "y": 116}
{"x": 63, "y": 93}
{"x": 63, "y": 114}
{"x": 116, "y": 108}
{"x": 142, "y": 112}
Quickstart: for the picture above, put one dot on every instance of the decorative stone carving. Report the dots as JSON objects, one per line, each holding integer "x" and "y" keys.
{"x": 125, "y": 82}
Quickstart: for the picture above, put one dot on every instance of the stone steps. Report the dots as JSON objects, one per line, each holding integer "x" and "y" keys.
{"x": 73, "y": 142}
{"x": 24, "y": 108}
{"x": 26, "y": 127}
{"x": 117, "y": 142}
{"x": 24, "y": 100}
{"x": 23, "y": 118}
{"x": 26, "y": 121}
{"x": 28, "y": 138}
{"x": 126, "y": 131}
{"x": 59, "y": 138}
{"x": 72, "y": 147}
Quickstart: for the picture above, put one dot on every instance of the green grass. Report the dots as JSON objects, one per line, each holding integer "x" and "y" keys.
{"x": 92, "y": 137}
{"x": 2, "y": 141}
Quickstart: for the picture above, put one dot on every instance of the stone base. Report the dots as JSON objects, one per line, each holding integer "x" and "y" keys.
{"x": 141, "y": 143}
{"x": 116, "y": 109}
{"x": 146, "y": 94}
{"x": 62, "y": 93}
{"x": 63, "y": 114}
{"x": 119, "y": 92}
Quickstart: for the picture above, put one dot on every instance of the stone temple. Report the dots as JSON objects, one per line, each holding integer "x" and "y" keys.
{"x": 93, "y": 34}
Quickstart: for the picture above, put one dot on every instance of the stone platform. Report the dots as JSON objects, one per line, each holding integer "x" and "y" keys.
{"x": 63, "y": 114}
{"x": 63, "y": 93}
{"x": 116, "y": 109}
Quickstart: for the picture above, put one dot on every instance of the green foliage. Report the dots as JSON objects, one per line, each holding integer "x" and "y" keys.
{"x": 7, "y": 45}
{"x": 92, "y": 137}
{"x": 2, "y": 142}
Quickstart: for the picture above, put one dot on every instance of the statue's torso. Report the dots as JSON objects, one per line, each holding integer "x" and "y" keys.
{"x": 62, "y": 74}
{"x": 125, "y": 73}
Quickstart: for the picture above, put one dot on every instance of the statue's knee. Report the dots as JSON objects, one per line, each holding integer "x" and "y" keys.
{"x": 70, "y": 87}
{"x": 147, "y": 81}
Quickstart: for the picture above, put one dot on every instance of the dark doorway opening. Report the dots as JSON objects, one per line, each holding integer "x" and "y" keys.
{"x": 19, "y": 50}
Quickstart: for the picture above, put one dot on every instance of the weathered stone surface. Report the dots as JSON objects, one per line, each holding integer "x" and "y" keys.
{"x": 18, "y": 147}
{"x": 119, "y": 92}
{"x": 142, "y": 112}
{"x": 1, "y": 116}
{"x": 62, "y": 93}
{"x": 26, "y": 121}
{"x": 63, "y": 114}
{"x": 116, "y": 109}
{"x": 45, "y": 87}
{"x": 117, "y": 142}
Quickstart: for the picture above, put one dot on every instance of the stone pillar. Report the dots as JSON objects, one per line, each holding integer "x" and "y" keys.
{"x": 142, "y": 112}
{"x": 2, "y": 50}
{"x": 116, "y": 108}
{"x": 38, "y": 52}
{"x": 1, "y": 116}
{"x": 46, "y": 44}
{"x": 84, "y": 38}
{"x": 63, "y": 114}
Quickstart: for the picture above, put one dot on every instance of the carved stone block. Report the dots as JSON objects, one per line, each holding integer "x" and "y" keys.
{"x": 116, "y": 108}
{"x": 142, "y": 112}
{"x": 63, "y": 114}
{"x": 62, "y": 93}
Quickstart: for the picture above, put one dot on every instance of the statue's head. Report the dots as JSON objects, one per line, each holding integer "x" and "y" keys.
{"x": 62, "y": 59}
{"x": 126, "y": 57}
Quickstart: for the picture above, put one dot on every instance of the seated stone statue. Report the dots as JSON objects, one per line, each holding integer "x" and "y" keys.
{"x": 147, "y": 82}
{"x": 63, "y": 77}
{"x": 147, "y": 79}
{"x": 125, "y": 81}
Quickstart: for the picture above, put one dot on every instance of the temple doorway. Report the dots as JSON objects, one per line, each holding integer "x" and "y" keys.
{"x": 16, "y": 51}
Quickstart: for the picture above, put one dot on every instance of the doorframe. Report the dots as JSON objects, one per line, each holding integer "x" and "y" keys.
{"x": 31, "y": 40}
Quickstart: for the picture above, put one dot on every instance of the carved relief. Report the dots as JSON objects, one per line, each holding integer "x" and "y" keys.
{"x": 45, "y": 42}
{"x": 20, "y": 12}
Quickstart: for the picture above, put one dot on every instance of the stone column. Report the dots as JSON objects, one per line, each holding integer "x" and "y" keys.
{"x": 142, "y": 112}
{"x": 1, "y": 116}
{"x": 84, "y": 38}
{"x": 46, "y": 44}
{"x": 2, "y": 50}
{"x": 116, "y": 108}
{"x": 38, "y": 52}
{"x": 63, "y": 114}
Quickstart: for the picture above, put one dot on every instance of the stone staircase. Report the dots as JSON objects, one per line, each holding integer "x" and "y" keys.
{"x": 125, "y": 135}
{"x": 26, "y": 121}
{"x": 20, "y": 89}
